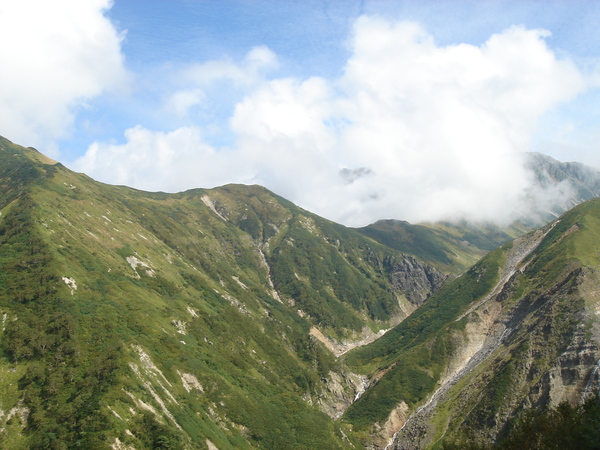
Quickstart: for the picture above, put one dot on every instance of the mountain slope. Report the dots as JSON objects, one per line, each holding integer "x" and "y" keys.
{"x": 193, "y": 320}
{"x": 570, "y": 183}
{"x": 230, "y": 318}
{"x": 450, "y": 247}
{"x": 518, "y": 330}
{"x": 454, "y": 247}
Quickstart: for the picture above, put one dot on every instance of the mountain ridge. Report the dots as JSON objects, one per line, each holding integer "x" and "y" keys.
{"x": 231, "y": 318}
{"x": 184, "y": 318}
{"x": 526, "y": 336}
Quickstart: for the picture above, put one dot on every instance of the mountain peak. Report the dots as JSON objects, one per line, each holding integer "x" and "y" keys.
{"x": 232, "y": 318}
{"x": 116, "y": 298}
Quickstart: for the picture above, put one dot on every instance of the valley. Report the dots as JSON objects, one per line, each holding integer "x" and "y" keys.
{"x": 231, "y": 318}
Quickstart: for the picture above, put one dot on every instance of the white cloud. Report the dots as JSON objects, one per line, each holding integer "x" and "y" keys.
{"x": 442, "y": 127}
{"x": 158, "y": 161}
{"x": 285, "y": 108}
{"x": 256, "y": 61}
{"x": 200, "y": 78}
{"x": 285, "y": 139}
{"x": 412, "y": 130}
{"x": 180, "y": 102}
{"x": 55, "y": 56}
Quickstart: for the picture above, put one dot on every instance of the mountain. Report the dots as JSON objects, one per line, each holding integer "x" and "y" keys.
{"x": 570, "y": 183}
{"x": 230, "y": 318}
{"x": 208, "y": 318}
{"x": 450, "y": 247}
{"x": 517, "y": 331}
{"x": 454, "y": 247}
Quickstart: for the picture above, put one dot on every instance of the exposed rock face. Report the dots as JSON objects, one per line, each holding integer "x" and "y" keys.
{"x": 513, "y": 371}
{"x": 416, "y": 281}
{"x": 414, "y": 278}
{"x": 338, "y": 348}
{"x": 383, "y": 437}
{"x": 341, "y": 389}
{"x": 566, "y": 183}
{"x": 570, "y": 376}
{"x": 516, "y": 353}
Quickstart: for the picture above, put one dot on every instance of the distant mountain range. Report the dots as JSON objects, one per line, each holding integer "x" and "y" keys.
{"x": 454, "y": 247}
{"x": 571, "y": 182}
{"x": 230, "y": 318}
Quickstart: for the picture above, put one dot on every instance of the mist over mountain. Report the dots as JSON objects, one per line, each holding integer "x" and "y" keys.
{"x": 466, "y": 187}
{"x": 299, "y": 225}
{"x": 559, "y": 186}
{"x": 455, "y": 246}
{"x": 232, "y": 318}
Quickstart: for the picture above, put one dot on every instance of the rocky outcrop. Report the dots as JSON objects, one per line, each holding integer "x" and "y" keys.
{"x": 584, "y": 181}
{"x": 516, "y": 365}
{"x": 516, "y": 353}
{"x": 338, "y": 348}
{"x": 340, "y": 390}
{"x": 569, "y": 378}
{"x": 413, "y": 278}
{"x": 558, "y": 186}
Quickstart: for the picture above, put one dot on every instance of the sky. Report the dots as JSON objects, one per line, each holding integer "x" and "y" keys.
{"x": 355, "y": 110}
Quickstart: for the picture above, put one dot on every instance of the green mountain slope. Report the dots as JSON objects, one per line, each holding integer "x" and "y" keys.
{"x": 195, "y": 320}
{"x": 518, "y": 330}
{"x": 230, "y": 318}
{"x": 450, "y": 247}
{"x": 455, "y": 247}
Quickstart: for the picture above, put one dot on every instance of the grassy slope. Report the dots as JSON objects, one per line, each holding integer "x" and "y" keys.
{"x": 415, "y": 353}
{"x": 543, "y": 305}
{"x": 451, "y": 248}
{"x": 552, "y": 306}
{"x": 253, "y": 358}
{"x": 115, "y": 299}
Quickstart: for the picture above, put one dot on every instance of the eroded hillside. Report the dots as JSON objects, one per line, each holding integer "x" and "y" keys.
{"x": 230, "y": 318}
{"x": 518, "y": 331}
{"x": 198, "y": 319}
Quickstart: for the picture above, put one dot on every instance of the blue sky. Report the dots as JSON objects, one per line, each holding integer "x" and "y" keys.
{"x": 356, "y": 110}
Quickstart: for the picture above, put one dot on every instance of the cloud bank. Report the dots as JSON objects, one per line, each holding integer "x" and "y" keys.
{"x": 410, "y": 129}
{"x": 56, "y": 55}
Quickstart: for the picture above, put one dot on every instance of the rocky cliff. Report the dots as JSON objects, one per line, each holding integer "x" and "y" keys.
{"x": 529, "y": 339}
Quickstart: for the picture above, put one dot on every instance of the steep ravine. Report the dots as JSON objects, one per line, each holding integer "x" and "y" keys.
{"x": 413, "y": 282}
{"x": 485, "y": 333}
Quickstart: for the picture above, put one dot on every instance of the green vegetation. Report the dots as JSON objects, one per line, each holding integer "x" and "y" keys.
{"x": 439, "y": 310}
{"x": 451, "y": 248}
{"x": 64, "y": 380}
{"x": 409, "y": 360}
{"x": 563, "y": 427}
{"x": 178, "y": 320}
{"x": 415, "y": 353}
{"x": 151, "y": 318}
{"x": 416, "y": 240}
